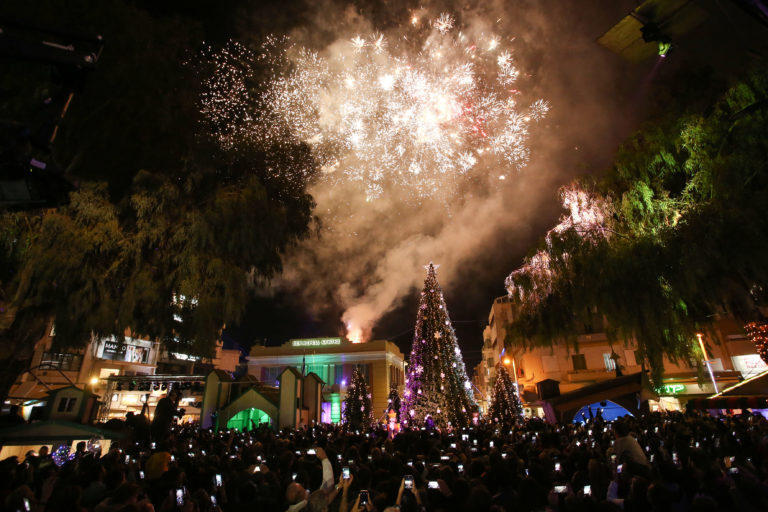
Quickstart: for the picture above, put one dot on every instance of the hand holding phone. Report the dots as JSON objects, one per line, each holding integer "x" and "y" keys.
{"x": 363, "y": 498}
{"x": 345, "y": 472}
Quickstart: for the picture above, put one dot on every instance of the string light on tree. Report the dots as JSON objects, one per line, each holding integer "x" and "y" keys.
{"x": 357, "y": 404}
{"x": 757, "y": 332}
{"x": 505, "y": 404}
{"x": 436, "y": 365}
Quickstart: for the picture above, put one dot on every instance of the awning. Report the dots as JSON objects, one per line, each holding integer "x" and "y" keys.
{"x": 728, "y": 402}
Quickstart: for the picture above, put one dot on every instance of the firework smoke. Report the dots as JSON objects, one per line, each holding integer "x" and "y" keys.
{"x": 420, "y": 131}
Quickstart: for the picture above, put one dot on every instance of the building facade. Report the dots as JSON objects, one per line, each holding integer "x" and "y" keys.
{"x": 128, "y": 376}
{"x": 542, "y": 373}
{"x": 333, "y": 361}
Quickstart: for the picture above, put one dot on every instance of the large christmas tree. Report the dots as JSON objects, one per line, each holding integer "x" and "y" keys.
{"x": 505, "y": 404}
{"x": 357, "y": 405}
{"x": 436, "y": 383}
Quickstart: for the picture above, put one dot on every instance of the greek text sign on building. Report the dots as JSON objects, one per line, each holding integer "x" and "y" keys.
{"x": 315, "y": 342}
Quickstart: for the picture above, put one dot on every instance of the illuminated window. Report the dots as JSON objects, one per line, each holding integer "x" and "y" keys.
{"x": 610, "y": 363}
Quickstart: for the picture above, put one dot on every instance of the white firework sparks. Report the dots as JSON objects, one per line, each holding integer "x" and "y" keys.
{"x": 389, "y": 116}
{"x": 588, "y": 215}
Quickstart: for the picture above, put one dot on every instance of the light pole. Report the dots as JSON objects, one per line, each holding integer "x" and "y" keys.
{"x": 708, "y": 362}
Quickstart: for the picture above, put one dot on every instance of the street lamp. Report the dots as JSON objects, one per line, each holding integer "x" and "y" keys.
{"x": 707, "y": 362}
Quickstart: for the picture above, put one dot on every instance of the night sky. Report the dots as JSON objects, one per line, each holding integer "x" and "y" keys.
{"x": 596, "y": 99}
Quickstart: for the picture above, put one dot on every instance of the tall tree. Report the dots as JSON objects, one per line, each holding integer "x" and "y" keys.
{"x": 357, "y": 405}
{"x": 675, "y": 231}
{"x": 437, "y": 384}
{"x": 505, "y": 405}
{"x": 164, "y": 221}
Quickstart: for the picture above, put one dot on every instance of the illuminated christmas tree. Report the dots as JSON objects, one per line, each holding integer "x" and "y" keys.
{"x": 436, "y": 382}
{"x": 357, "y": 405}
{"x": 505, "y": 404}
{"x": 758, "y": 334}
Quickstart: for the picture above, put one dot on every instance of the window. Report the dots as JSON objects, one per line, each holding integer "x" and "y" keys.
{"x": 62, "y": 361}
{"x": 579, "y": 362}
{"x": 365, "y": 370}
{"x": 610, "y": 363}
{"x": 67, "y": 404}
{"x": 271, "y": 374}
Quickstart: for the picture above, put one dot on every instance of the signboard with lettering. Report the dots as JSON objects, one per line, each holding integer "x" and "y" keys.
{"x": 130, "y": 351}
{"x": 685, "y": 389}
{"x": 315, "y": 342}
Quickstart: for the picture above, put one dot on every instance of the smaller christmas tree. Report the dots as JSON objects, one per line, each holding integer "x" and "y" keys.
{"x": 393, "y": 402}
{"x": 357, "y": 405}
{"x": 505, "y": 404}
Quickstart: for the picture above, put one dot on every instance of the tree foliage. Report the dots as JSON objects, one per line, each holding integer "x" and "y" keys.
{"x": 505, "y": 406}
{"x": 164, "y": 224}
{"x": 357, "y": 405}
{"x": 682, "y": 234}
{"x": 437, "y": 384}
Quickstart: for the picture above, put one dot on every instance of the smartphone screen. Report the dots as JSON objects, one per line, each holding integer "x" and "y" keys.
{"x": 345, "y": 472}
{"x": 587, "y": 490}
{"x": 461, "y": 468}
{"x": 311, "y": 451}
{"x": 433, "y": 484}
{"x": 141, "y": 475}
{"x": 127, "y": 459}
{"x": 408, "y": 482}
{"x": 557, "y": 466}
{"x": 293, "y": 476}
{"x": 444, "y": 457}
{"x": 27, "y": 506}
{"x": 560, "y": 489}
{"x": 217, "y": 480}
{"x": 490, "y": 444}
{"x": 620, "y": 468}
{"x": 363, "y": 498}
{"x": 213, "y": 500}
{"x": 180, "y": 497}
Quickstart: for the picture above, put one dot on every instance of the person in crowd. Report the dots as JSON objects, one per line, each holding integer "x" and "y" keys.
{"x": 672, "y": 462}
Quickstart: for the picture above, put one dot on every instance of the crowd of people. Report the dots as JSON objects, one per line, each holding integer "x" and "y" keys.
{"x": 653, "y": 463}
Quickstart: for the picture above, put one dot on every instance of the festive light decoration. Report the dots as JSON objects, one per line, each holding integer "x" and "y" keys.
{"x": 61, "y": 454}
{"x": 588, "y": 215}
{"x": 758, "y": 334}
{"x": 357, "y": 404}
{"x": 505, "y": 404}
{"x": 418, "y": 114}
{"x": 393, "y": 402}
{"x": 436, "y": 371}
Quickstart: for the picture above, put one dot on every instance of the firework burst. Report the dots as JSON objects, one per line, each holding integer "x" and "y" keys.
{"x": 382, "y": 112}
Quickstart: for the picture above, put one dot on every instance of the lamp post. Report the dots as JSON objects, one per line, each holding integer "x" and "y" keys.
{"x": 707, "y": 362}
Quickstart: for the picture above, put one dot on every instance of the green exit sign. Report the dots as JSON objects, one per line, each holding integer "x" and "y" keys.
{"x": 671, "y": 389}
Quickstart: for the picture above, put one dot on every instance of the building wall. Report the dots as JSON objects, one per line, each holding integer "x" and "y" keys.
{"x": 380, "y": 361}
{"x": 731, "y": 354}
{"x": 98, "y": 360}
